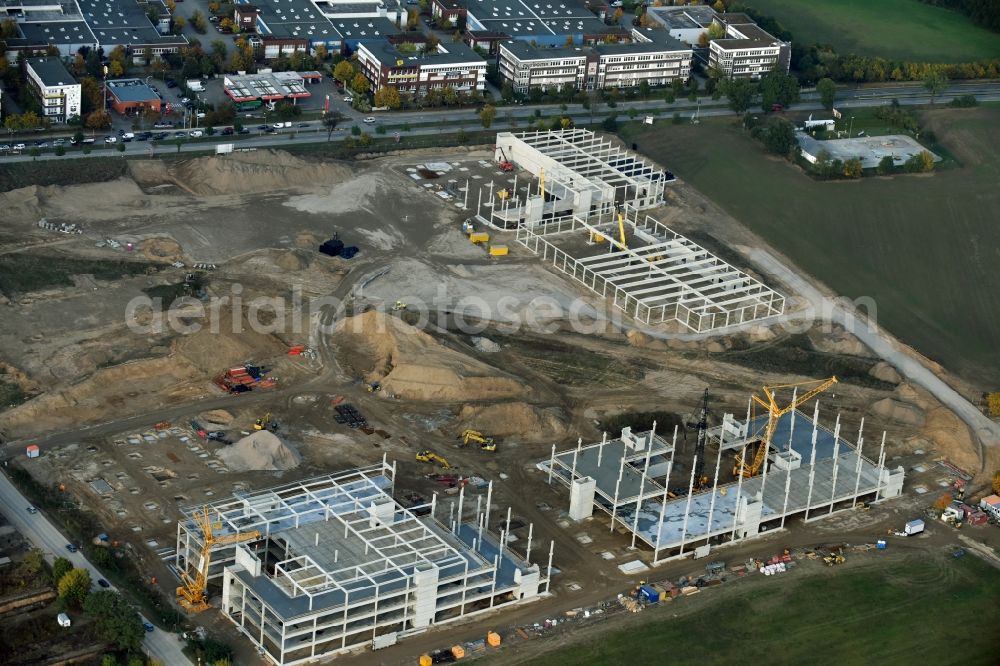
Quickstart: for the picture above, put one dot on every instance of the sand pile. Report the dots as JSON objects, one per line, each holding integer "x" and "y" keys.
{"x": 260, "y": 451}
{"x": 161, "y": 250}
{"x": 260, "y": 171}
{"x": 214, "y": 352}
{"x": 216, "y": 417}
{"x": 22, "y": 204}
{"x": 512, "y": 419}
{"x": 411, "y": 364}
{"x": 891, "y": 409}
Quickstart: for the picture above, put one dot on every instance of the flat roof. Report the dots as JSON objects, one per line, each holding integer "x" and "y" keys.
{"x": 684, "y": 18}
{"x": 659, "y": 42}
{"x": 364, "y": 28}
{"x": 121, "y": 22}
{"x": 294, "y": 19}
{"x": 57, "y": 32}
{"x": 51, "y": 71}
{"x": 345, "y": 540}
{"x": 267, "y": 86}
{"x": 530, "y": 17}
{"x": 388, "y": 54}
{"x": 132, "y": 90}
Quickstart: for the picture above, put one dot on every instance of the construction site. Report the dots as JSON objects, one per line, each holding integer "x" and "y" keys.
{"x": 310, "y": 455}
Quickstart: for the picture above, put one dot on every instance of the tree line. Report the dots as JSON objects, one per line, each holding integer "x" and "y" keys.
{"x": 982, "y": 12}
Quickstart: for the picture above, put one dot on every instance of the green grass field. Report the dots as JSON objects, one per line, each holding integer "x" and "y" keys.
{"x": 895, "y": 29}
{"x": 924, "y": 247}
{"x": 924, "y": 609}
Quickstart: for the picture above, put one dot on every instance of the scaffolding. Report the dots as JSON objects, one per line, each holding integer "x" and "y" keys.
{"x": 340, "y": 565}
{"x": 811, "y": 471}
{"x": 660, "y": 277}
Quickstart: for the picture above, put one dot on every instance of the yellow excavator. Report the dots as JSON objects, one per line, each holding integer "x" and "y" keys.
{"x": 191, "y": 594}
{"x": 746, "y": 466}
{"x": 485, "y": 443}
{"x": 431, "y": 457}
{"x": 262, "y": 422}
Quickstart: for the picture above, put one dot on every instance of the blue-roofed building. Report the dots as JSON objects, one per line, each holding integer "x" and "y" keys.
{"x": 334, "y": 563}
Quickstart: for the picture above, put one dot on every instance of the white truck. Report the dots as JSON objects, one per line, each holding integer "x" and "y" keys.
{"x": 195, "y": 85}
{"x": 913, "y": 527}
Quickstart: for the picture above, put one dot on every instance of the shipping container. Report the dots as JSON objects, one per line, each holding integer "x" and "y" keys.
{"x": 479, "y": 237}
{"x": 914, "y": 527}
{"x": 498, "y": 250}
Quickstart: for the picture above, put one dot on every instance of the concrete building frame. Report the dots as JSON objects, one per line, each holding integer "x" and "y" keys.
{"x": 340, "y": 565}
{"x": 810, "y": 472}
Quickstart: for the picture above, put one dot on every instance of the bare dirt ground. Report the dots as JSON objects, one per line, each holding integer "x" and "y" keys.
{"x": 445, "y": 362}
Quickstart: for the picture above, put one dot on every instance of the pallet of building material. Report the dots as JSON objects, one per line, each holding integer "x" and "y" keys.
{"x": 689, "y": 590}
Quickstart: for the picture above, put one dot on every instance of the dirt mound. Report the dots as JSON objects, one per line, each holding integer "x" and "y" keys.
{"x": 22, "y": 204}
{"x": 412, "y": 365}
{"x": 292, "y": 260}
{"x": 165, "y": 250}
{"x": 260, "y": 171}
{"x": 214, "y": 352}
{"x": 215, "y": 417}
{"x": 260, "y": 451}
{"x": 900, "y": 412}
{"x": 885, "y": 372}
{"x": 512, "y": 419}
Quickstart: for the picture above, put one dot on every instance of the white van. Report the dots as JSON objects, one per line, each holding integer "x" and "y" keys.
{"x": 196, "y": 134}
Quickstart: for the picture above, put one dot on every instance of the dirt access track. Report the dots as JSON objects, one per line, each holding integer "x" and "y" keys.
{"x": 101, "y": 385}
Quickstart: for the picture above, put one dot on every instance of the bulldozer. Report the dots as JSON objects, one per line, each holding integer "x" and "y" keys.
{"x": 485, "y": 443}
{"x": 431, "y": 457}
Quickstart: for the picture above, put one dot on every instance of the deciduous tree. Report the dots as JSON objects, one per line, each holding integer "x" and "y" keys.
{"x": 487, "y": 115}
{"x": 935, "y": 82}
{"x": 827, "y": 90}
{"x": 388, "y": 96}
{"x": 60, "y": 567}
{"x": 344, "y": 71}
{"x": 117, "y": 622}
{"x": 853, "y": 168}
{"x": 740, "y": 93}
{"x": 74, "y": 586}
{"x": 359, "y": 84}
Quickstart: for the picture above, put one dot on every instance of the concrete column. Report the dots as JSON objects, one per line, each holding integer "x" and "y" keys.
{"x": 788, "y": 486}
{"x": 548, "y": 576}
{"x": 687, "y": 508}
{"x": 663, "y": 505}
{"x": 857, "y": 462}
{"x": 552, "y": 463}
{"x": 614, "y": 505}
{"x": 489, "y": 500}
{"x": 600, "y": 448}
{"x": 579, "y": 445}
{"x": 739, "y": 496}
{"x": 791, "y": 429}
{"x": 715, "y": 484}
{"x": 836, "y": 460}
{"x": 434, "y": 498}
{"x": 461, "y": 500}
{"x": 527, "y": 552}
{"x": 642, "y": 487}
{"x": 878, "y": 468}
{"x": 812, "y": 459}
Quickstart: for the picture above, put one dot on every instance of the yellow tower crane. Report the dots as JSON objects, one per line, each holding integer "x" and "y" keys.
{"x": 750, "y": 468}
{"x": 541, "y": 183}
{"x": 191, "y": 594}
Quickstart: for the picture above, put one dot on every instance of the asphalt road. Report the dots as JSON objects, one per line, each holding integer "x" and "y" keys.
{"x": 42, "y": 533}
{"x": 312, "y": 131}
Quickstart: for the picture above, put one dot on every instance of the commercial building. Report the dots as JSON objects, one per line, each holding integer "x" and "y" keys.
{"x": 544, "y": 23}
{"x": 70, "y": 26}
{"x": 132, "y": 96}
{"x": 649, "y": 56}
{"x": 286, "y": 26}
{"x": 269, "y": 86}
{"x": 810, "y": 472}
{"x": 747, "y": 51}
{"x": 57, "y": 90}
{"x": 454, "y": 65}
{"x": 354, "y": 30}
{"x": 687, "y": 23}
{"x": 338, "y": 565}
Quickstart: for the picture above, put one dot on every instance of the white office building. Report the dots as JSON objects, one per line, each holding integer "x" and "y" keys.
{"x": 57, "y": 90}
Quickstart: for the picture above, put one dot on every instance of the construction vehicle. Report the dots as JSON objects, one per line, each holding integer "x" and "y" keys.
{"x": 191, "y": 594}
{"x": 431, "y": 457}
{"x": 373, "y": 387}
{"x": 505, "y": 164}
{"x": 485, "y": 443}
{"x": 261, "y": 423}
{"x": 700, "y": 478}
{"x": 503, "y": 194}
{"x": 399, "y": 305}
{"x": 746, "y": 466}
{"x": 834, "y": 558}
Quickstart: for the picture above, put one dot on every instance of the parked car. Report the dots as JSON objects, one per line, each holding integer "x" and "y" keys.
{"x": 41, "y": 144}
{"x": 227, "y": 131}
{"x": 244, "y": 131}
{"x": 147, "y": 626}
{"x": 303, "y": 124}
{"x": 128, "y": 136}
{"x": 197, "y": 134}
{"x": 5, "y": 148}
{"x": 160, "y": 136}
{"x": 349, "y": 99}
{"x": 110, "y": 139}
{"x": 200, "y": 115}
{"x": 71, "y": 548}
{"x": 171, "y": 83}
{"x": 278, "y": 125}
{"x": 58, "y": 142}
{"x": 180, "y": 135}
{"x": 103, "y": 583}
{"x": 32, "y": 510}
{"x": 19, "y": 146}
{"x": 370, "y": 120}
